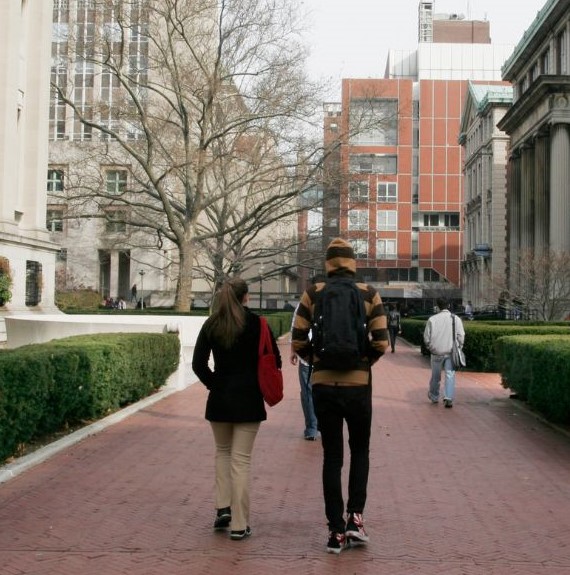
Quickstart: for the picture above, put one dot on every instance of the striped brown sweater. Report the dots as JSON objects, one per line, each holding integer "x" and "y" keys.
{"x": 377, "y": 334}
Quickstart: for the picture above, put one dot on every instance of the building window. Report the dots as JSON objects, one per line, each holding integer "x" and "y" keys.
{"x": 561, "y": 53}
{"x": 358, "y": 220}
{"x": 431, "y": 220}
{"x": 358, "y": 191}
{"x": 448, "y": 221}
{"x": 535, "y": 71}
{"x": 33, "y": 283}
{"x": 403, "y": 274}
{"x": 373, "y": 164}
{"x": 415, "y": 194}
{"x": 387, "y": 220}
{"x": 386, "y": 249}
{"x": 374, "y": 122}
{"x": 115, "y": 221}
{"x": 116, "y": 181}
{"x": 545, "y": 62}
{"x": 430, "y": 275}
{"x": 451, "y": 220}
{"x": 54, "y": 181}
{"x": 54, "y": 219}
{"x": 360, "y": 248}
{"x": 387, "y": 192}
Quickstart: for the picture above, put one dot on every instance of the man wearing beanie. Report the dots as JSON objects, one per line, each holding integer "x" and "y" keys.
{"x": 341, "y": 395}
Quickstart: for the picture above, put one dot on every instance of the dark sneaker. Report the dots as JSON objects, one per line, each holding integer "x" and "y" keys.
{"x": 223, "y": 518}
{"x": 241, "y": 534}
{"x": 337, "y": 542}
{"x": 448, "y": 403}
{"x": 310, "y": 438}
{"x": 355, "y": 533}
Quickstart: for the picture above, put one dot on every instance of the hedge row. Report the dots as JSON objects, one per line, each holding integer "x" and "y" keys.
{"x": 537, "y": 368}
{"x": 480, "y": 338}
{"x": 43, "y": 387}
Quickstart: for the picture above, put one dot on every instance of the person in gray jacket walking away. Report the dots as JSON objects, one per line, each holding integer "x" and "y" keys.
{"x": 438, "y": 337}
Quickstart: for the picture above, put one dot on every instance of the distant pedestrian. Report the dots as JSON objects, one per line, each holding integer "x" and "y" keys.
{"x": 235, "y": 406}
{"x": 304, "y": 371}
{"x": 394, "y": 326}
{"x": 438, "y": 337}
{"x": 341, "y": 395}
{"x": 469, "y": 310}
{"x": 134, "y": 293}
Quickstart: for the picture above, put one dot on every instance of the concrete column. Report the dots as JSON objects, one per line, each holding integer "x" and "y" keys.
{"x": 513, "y": 219}
{"x": 114, "y": 274}
{"x": 560, "y": 188}
{"x": 541, "y": 183}
{"x": 527, "y": 198}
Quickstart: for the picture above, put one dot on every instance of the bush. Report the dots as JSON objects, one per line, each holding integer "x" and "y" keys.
{"x": 480, "y": 338}
{"x": 537, "y": 368}
{"x": 84, "y": 299}
{"x": 47, "y": 386}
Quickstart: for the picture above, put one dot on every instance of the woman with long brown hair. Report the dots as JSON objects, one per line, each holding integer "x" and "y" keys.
{"x": 235, "y": 406}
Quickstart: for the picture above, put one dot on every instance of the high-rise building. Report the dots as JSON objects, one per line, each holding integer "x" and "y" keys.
{"x": 400, "y": 179}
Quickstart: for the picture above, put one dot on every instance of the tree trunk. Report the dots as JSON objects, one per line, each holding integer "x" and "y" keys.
{"x": 183, "y": 300}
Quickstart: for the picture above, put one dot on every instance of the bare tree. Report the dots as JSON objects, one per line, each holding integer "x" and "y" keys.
{"x": 208, "y": 105}
{"x": 539, "y": 283}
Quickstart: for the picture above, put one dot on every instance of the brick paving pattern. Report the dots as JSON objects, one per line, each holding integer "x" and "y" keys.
{"x": 483, "y": 488}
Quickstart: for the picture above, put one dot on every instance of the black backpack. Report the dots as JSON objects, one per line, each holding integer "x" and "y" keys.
{"x": 339, "y": 325}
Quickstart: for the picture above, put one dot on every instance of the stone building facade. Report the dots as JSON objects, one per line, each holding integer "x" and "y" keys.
{"x": 103, "y": 245}
{"x": 26, "y": 251}
{"x": 538, "y": 124}
{"x": 484, "y": 231}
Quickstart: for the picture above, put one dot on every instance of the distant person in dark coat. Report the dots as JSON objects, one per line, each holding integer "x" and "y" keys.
{"x": 235, "y": 406}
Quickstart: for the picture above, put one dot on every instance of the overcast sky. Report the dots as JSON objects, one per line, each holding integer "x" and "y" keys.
{"x": 351, "y": 38}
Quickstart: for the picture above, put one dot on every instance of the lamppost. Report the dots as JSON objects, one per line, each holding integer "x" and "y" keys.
{"x": 141, "y": 273}
{"x": 261, "y": 269}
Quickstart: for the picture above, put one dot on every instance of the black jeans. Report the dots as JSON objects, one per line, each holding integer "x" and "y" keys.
{"x": 333, "y": 406}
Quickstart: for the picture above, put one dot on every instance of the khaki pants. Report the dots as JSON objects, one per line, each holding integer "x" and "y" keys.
{"x": 234, "y": 444}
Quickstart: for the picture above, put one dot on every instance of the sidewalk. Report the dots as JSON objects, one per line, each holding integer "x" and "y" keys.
{"x": 483, "y": 488}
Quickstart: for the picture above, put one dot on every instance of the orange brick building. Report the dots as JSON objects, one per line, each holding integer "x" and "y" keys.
{"x": 397, "y": 194}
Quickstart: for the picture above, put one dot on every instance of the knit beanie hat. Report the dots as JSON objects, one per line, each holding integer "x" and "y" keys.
{"x": 340, "y": 258}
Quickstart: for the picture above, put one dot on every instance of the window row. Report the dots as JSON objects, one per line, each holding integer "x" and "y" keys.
{"x": 387, "y": 220}
{"x": 115, "y": 220}
{"x": 374, "y": 121}
{"x": 444, "y": 220}
{"x": 554, "y": 59}
{"x": 373, "y": 164}
{"x": 115, "y": 181}
{"x": 386, "y": 249}
{"x": 385, "y": 192}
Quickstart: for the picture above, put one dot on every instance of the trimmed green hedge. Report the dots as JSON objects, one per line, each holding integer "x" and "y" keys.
{"x": 43, "y": 387}
{"x": 537, "y": 368}
{"x": 480, "y": 338}
{"x": 279, "y": 322}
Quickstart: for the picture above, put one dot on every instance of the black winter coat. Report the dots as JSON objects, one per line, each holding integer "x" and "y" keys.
{"x": 234, "y": 390}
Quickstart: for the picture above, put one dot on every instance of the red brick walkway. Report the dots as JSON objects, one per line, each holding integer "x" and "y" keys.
{"x": 483, "y": 488}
